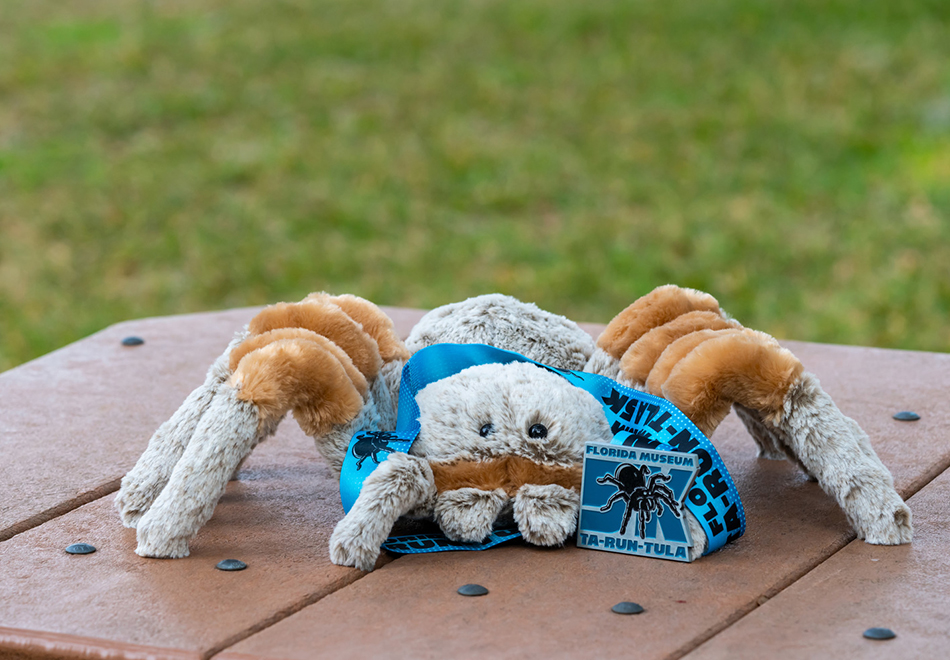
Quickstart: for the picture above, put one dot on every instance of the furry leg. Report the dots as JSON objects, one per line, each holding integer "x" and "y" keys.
{"x": 320, "y": 358}
{"x": 226, "y": 434}
{"x": 772, "y": 442}
{"x": 770, "y": 445}
{"x": 697, "y": 534}
{"x": 546, "y": 515}
{"x": 401, "y": 484}
{"x": 467, "y": 514}
{"x": 835, "y": 449}
{"x": 659, "y": 307}
{"x": 148, "y": 477}
{"x": 703, "y": 373}
{"x": 364, "y": 342}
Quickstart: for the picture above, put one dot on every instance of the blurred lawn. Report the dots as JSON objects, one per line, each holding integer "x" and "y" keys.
{"x": 792, "y": 158}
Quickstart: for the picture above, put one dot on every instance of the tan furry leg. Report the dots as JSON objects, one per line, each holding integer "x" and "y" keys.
{"x": 300, "y": 375}
{"x": 713, "y": 368}
{"x": 351, "y": 321}
{"x": 314, "y": 359}
{"x": 546, "y": 515}
{"x": 792, "y": 413}
{"x": 255, "y": 342}
{"x": 372, "y": 320}
{"x": 328, "y": 320}
{"x": 674, "y": 353}
{"x": 467, "y": 514}
{"x": 277, "y": 371}
{"x": 658, "y": 307}
{"x": 148, "y": 477}
{"x": 402, "y": 483}
{"x": 226, "y": 434}
{"x": 645, "y": 351}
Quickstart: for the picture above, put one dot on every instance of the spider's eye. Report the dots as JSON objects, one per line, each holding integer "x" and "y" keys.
{"x": 486, "y": 430}
{"x": 538, "y": 431}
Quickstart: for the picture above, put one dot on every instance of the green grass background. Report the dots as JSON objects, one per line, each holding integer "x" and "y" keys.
{"x": 791, "y": 157}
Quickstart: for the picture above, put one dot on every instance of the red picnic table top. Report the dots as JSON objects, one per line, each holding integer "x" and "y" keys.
{"x": 796, "y": 585}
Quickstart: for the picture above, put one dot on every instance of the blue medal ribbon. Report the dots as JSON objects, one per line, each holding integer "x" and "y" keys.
{"x": 636, "y": 419}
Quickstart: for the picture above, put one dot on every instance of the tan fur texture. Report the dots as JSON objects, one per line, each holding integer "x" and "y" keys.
{"x": 255, "y": 342}
{"x": 376, "y": 324}
{"x": 674, "y": 353}
{"x": 324, "y": 319}
{"x": 744, "y": 366}
{"x": 508, "y": 474}
{"x": 639, "y": 359}
{"x": 299, "y": 375}
{"x": 658, "y": 307}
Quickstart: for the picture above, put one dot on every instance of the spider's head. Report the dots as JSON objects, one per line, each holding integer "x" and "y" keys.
{"x": 496, "y": 410}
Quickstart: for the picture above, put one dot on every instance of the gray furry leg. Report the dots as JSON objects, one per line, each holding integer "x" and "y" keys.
{"x": 226, "y": 434}
{"x": 402, "y": 483}
{"x": 772, "y": 442}
{"x": 468, "y": 514}
{"x": 697, "y": 534}
{"x": 835, "y": 449}
{"x": 151, "y": 472}
{"x": 546, "y": 515}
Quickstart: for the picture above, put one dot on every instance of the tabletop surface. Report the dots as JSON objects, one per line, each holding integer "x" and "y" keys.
{"x": 796, "y": 585}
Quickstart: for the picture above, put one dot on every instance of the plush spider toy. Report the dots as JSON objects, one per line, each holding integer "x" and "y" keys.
{"x": 495, "y": 440}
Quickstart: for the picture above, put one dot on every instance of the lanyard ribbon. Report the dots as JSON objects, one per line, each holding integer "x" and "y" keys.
{"x": 636, "y": 419}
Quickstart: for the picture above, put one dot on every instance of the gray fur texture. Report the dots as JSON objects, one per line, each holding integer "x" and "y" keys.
{"x": 468, "y": 514}
{"x": 512, "y": 398}
{"x": 838, "y": 453}
{"x": 546, "y": 515}
{"x": 507, "y": 323}
{"x": 146, "y": 480}
{"x": 186, "y": 503}
{"x": 401, "y": 484}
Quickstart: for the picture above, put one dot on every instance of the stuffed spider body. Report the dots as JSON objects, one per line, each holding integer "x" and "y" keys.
{"x": 496, "y": 440}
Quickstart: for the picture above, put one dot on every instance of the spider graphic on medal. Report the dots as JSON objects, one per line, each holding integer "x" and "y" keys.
{"x": 641, "y": 492}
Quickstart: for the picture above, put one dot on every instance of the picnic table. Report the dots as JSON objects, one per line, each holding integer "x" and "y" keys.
{"x": 797, "y": 584}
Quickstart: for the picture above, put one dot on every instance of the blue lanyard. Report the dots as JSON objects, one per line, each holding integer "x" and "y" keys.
{"x": 636, "y": 419}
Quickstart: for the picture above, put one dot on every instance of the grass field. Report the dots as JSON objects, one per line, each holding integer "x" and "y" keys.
{"x": 791, "y": 157}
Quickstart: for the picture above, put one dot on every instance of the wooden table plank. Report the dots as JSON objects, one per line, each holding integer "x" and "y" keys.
{"x": 277, "y": 518}
{"x": 903, "y": 588}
